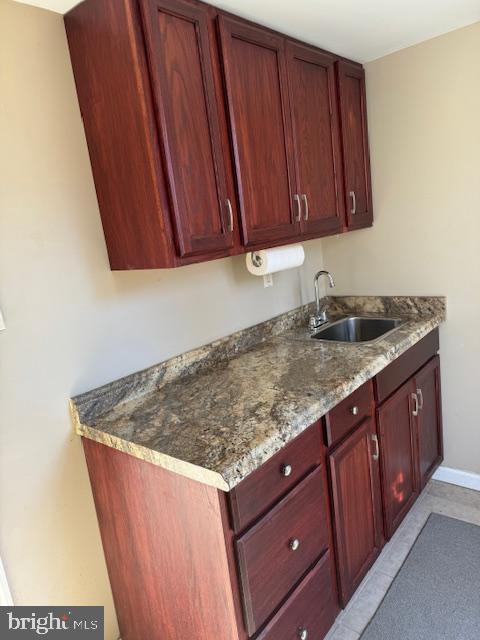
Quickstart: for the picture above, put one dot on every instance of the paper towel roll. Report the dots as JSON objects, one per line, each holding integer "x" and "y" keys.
{"x": 261, "y": 263}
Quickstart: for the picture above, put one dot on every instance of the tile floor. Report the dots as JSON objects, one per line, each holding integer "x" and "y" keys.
{"x": 437, "y": 497}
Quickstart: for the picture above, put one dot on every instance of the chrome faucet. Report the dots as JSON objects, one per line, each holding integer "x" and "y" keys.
{"x": 320, "y": 315}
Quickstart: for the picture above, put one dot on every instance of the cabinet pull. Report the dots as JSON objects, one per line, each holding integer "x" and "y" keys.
{"x": 415, "y": 401}
{"x": 230, "y": 215}
{"x": 420, "y": 395}
{"x": 286, "y": 470}
{"x": 353, "y": 210}
{"x": 298, "y": 217}
{"x": 354, "y": 411}
{"x": 303, "y": 634}
{"x": 376, "y": 455}
{"x": 294, "y": 544}
{"x": 305, "y": 201}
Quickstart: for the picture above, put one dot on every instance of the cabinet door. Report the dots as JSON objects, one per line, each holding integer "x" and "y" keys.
{"x": 429, "y": 421}
{"x": 356, "y": 162}
{"x": 316, "y": 137}
{"x": 255, "y": 79}
{"x": 357, "y": 507}
{"x": 178, "y": 46}
{"x": 398, "y": 455}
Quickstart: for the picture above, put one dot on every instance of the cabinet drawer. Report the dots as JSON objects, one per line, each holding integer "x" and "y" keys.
{"x": 275, "y": 553}
{"x": 261, "y": 490}
{"x": 393, "y": 376}
{"x": 341, "y": 419}
{"x": 312, "y": 607}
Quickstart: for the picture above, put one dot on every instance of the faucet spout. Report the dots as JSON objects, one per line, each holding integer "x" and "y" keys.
{"x": 320, "y": 316}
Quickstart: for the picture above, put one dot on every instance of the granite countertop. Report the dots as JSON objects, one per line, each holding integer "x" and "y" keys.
{"x": 219, "y": 412}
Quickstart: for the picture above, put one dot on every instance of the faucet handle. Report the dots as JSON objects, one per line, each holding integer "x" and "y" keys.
{"x": 316, "y": 320}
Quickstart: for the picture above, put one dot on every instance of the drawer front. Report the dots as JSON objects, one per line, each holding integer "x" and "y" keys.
{"x": 341, "y": 419}
{"x": 312, "y": 608}
{"x": 403, "y": 368}
{"x": 263, "y": 488}
{"x": 275, "y": 553}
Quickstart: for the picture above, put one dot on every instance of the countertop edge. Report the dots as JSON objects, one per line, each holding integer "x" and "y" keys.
{"x": 175, "y": 465}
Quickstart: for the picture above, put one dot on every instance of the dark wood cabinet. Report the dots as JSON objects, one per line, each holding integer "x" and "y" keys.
{"x": 256, "y": 86}
{"x": 263, "y": 561}
{"x": 429, "y": 420}
{"x": 398, "y": 455}
{"x": 273, "y": 480}
{"x": 210, "y": 136}
{"x": 316, "y": 139}
{"x": 178, "y": 36}
{"x": 410, "y": 426}
{"x": 356, "y": 158}
{"x": 357, "y": 506}
{"x": 349, "y": 413}
{"x": 310, "y": 611}
{"x": 179, "y": 570}
{"x": 150, "y": 91}
{"x": 276, "y": 552}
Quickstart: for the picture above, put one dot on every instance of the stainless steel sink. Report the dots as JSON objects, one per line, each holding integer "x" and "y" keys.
{"x": 357, "y": 329}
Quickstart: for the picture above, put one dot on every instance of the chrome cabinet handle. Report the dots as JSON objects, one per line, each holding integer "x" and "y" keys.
{"x": 305, "y": 201}
{"x": 303, "y": 634}
{"x": 415, "y": 400}
{"x": 298, "y": 217}
{"x": 230, "y": 214}
{"x": 376, "y": 455}
{"x": 286, "y": 470}
{"x": 294, "y": 544}
{"x": 354, "y": 411}
{"x": 420, "y": 395}
{"x": 353, "y": 210}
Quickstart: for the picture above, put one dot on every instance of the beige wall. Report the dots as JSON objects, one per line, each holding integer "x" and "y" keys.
{"x": 424, "y": 108}
{"x": 71, "y": 323}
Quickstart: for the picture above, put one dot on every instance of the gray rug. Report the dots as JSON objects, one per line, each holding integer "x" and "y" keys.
{"x": 436, "y": 594}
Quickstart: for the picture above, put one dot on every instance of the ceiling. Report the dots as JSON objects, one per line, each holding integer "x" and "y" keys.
{"x": 363, "y": 30}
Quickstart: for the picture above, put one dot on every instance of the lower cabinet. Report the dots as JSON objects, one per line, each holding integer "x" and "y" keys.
{"x": 411, "y": 442}
{"x": 429, "y": 420}
{"x": 398, "y": 460}
{"x": 357, "y": 506}
{"x": 263, "y": 561}
{"x": 310, "y": 611}
{"x": 276, "y": 552}
{"x": 385, "y": 442}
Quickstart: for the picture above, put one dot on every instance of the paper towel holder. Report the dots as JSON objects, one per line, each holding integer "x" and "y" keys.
{"x": 257, "y": 262}
{"x": 256, "y": 259}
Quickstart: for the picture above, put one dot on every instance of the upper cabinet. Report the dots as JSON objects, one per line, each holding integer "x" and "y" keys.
{"x": 316, "y": 139}
{"x": 356, "y": 158}
{"x": 178, "y": 37}
{"x": 256, "y": 85}
{"x": 211, "y": 136}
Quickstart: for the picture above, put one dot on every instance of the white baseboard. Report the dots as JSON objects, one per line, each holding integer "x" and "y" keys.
{"x": 465, "y": 479}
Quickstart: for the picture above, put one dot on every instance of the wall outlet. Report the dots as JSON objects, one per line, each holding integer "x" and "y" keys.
{"x": 268, "y": 280}
{"x": 2, "y": 323}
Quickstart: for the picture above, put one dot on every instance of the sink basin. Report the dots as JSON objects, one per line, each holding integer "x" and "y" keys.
{"x": 357, "y": 329}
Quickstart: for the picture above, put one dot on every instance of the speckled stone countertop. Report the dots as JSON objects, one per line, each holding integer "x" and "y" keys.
{"x": 218, "y": 412}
